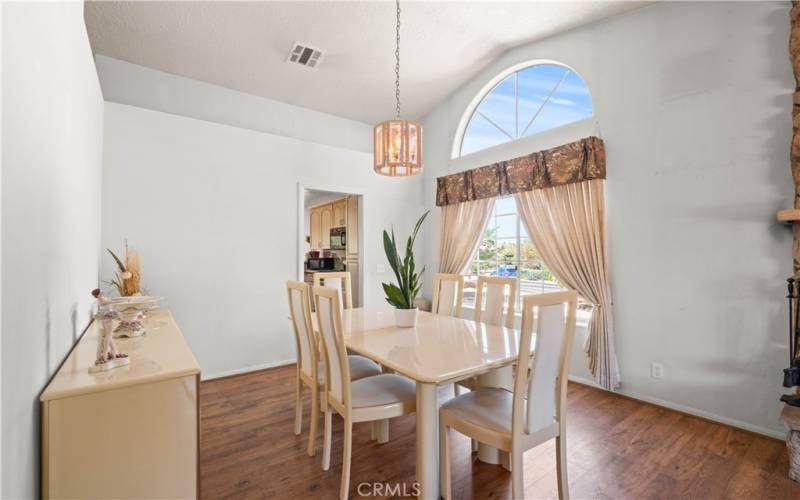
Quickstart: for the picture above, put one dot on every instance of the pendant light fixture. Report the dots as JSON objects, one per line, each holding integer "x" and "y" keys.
{"x": 398, "y": 142}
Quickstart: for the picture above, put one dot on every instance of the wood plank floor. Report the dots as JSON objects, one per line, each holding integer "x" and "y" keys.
{"x": 618, "y": 448}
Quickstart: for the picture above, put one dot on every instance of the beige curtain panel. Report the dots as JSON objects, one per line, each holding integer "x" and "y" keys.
{"x": 462, "y": 227}
{"x": 567, "y": 226}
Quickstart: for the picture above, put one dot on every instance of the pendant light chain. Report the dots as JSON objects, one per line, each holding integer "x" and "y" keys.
{"x": 397, "y": 62}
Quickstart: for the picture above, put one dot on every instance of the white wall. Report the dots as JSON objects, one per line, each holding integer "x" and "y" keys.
{"x": 694, "y": 102}
{"x": 136, "y": 85}
{"x": 52, "y": 139}
{"x": 213, "y": 211}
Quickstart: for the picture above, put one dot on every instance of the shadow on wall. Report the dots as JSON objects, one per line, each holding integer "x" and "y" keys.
{"x": 75, "y": 336}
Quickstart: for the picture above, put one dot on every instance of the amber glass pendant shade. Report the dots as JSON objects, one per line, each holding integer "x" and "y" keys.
{"x": 398, "y": 148}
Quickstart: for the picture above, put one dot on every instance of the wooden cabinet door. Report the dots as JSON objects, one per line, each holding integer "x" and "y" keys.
{"x": 326, "y": 223}
{"x": 351, "y": 265}
{"x": 340, "y": 213}
{"x": 315, "y": 223}
{"x": 352, "y": 226}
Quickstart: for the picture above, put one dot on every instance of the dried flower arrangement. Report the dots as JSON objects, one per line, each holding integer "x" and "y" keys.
{"x": 126, "y": 279}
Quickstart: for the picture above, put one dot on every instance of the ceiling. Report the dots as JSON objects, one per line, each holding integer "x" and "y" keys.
{"x": 243, "y": 45}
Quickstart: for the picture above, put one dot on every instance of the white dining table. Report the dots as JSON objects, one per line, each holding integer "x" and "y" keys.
{"x": 439, "y": 350}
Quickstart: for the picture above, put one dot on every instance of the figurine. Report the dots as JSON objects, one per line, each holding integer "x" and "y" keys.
{"x": 107, "y": 355}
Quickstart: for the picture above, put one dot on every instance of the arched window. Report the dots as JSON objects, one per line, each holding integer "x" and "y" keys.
{"x": 528, "y": 101}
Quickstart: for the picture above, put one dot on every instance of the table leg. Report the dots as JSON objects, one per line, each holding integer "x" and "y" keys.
{"x": 427, "y": 441}
{"x": 501, "y": 377}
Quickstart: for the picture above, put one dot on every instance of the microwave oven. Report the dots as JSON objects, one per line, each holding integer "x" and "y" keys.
{"x": 338, "y": 238}
{"x": 320, "y": 264}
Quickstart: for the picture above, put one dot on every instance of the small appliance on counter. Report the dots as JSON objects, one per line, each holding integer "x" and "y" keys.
{"x": 321, "y": 264}
{"x": 338, "y": 238}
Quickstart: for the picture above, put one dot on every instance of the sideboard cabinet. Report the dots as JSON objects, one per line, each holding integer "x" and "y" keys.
{"x": 130, "y": 432}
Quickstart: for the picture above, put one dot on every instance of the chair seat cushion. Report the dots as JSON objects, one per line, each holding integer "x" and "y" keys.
{"x": 486, "y": 407}
{"x": 360, "y": 367}
{"x": 382, "y": 390}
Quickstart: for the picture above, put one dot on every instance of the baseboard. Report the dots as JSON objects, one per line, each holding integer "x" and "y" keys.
{"x": 764, "y": 431}
{"x": 248, "y": 369}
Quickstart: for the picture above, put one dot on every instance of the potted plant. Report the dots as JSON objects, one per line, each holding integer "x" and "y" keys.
{"x": 403, "y": 294}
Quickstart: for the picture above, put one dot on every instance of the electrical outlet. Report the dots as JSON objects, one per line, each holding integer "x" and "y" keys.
{"x": 381, "y": 269}
{"x": 657, "y": 370}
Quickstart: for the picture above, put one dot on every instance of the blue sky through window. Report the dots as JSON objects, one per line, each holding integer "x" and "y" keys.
{"x": 532, "y": 100}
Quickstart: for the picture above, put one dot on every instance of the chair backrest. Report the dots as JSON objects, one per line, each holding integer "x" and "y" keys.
{"x": 448, "y": 293}
{"x": 543, "y": 391}
{"x": 300, "y": 310}
{"x": 329, "y": 323}
{"x": 339, "y": 281}
{"x": 492, "y": 312}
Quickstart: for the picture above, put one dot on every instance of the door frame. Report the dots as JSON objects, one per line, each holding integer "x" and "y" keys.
{"x": 362, "y": 234}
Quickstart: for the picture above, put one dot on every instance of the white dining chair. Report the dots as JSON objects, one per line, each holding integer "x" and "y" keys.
{"x": 310, "y": 370}
{"x": 448, "y": 294}
{"x": 340, "y": 281}
{"x": 370, "y": 399}
{"x": 536, "y": 410}
{"x": 494, "y": 304}
{"x": 492, "y": 307}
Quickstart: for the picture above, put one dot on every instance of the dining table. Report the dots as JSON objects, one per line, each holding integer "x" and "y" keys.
{"x": 439, "y": 350}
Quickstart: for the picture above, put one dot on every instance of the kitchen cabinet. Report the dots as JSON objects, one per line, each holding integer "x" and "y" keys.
{"x": 315, "y": 223}
{"x": 326, "y": 223}
{"x": 340, "y": 213}
{"x": 352, "y": 227}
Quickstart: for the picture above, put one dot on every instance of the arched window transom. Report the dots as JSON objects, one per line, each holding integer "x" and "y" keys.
{"x": 528, "y": 101}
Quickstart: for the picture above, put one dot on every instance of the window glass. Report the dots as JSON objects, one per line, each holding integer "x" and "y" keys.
{"x": 506, "y": 250}
{"x": 529, "y": 101}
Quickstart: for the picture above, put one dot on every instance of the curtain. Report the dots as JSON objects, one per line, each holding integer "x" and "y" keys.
{"x": 462, "y": 227}
{"x": 567, "y": 226}
{"x": 574, "y": 162}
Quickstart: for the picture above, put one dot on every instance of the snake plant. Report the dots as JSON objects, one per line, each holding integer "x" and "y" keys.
{"x": 409, "y": 282}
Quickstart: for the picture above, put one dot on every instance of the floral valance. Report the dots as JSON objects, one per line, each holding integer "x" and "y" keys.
{"x": 574, "y": 162}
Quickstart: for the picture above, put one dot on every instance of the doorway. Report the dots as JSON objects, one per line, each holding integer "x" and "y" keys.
{"x": 330, "y": 237}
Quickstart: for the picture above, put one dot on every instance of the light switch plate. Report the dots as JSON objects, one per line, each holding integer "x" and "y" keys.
{"x": 657, "y": 370}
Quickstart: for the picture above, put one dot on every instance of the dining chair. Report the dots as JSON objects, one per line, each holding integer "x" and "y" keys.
{"x": 536, "y": 410}
{"x": 310, "y": 370}
{"x": 375, "y": 398}
{"x": 491, "y": 310}
{"x": 340, "y": 281}
{"x": 448, "y": 294}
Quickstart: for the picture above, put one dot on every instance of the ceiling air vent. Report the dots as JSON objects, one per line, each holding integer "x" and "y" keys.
{"x": 305, "y": 55}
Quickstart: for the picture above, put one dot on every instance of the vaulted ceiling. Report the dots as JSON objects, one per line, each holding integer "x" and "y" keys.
{"x": 244, "y": 45}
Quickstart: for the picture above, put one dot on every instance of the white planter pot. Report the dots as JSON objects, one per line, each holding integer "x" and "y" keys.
{"x": 405, "y": 318}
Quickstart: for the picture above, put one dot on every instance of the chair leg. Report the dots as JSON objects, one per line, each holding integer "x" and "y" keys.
{"x": 344, "y": 491}
{"x": 326, "y": 441}
{"x": 382, "y": 431}
{"x": 445, "y": 485}
{"x": 561, "y": 467}
{"x": 298, "y": 407}
{"x": 517, "y": 480}
{"x": 312, "y": 431}
{"x": 373, "y": 435}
